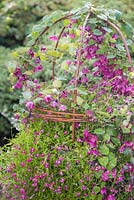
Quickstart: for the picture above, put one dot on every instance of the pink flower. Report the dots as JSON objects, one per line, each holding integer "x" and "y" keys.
{"x": 48, "y": 98}
{"x": 89, "y": 113}
{"x": 103, "y": 190}
{"x": 54, "y": 104}
{"x": 22, "y": 164}
{"x": 17, "y": 72}
{"x": 93, "y": 152}
{"x": 72, "y": 35}
{"x": 38, "y": 68}
{"x": 85, "y": 70}
{"x": 22, "y": 191}
{"x": 53, "y": 38}
{"x": 30, "y": 53}
{"x": 104, "y": 176}
{"x": 68, "y": 62}
{"x": 110, "y": 197}
{"x": 83, "y": 187}
{"x": 62, "y": 108}
{"x": 43, "y": 48}
{"x": 29, "y": 160}
{"x": 90, "y": 139}
{"x": 30, "y": 105}
{"x": 18, "y": 85}
{"x": 62, "y": 180}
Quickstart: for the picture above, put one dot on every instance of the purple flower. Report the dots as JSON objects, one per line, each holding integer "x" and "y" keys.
{"x": 43, "y": 48}
{"x": 93, "y": 152}
{"x": 84, "y": 79}
{"x": 62, "y": 180}
{"x": 104, "y": 176}
{"x": 110, "y": 197}
{"x": 62, "y": 107}
{"x": 37, "y": 60}
{"x": 68, "y": 62}
{"x": 48, "y": 98}
{"x": 89, "y": 113}
{"x": 22, "y": 191}
{"x": 18, "y": 85}
{"x": 38, "y": 68}
{"x": 103, "y": 191}
{"x": 54, "y": 104}
{"x": 109, "y": 110}
{"x": 29, "y": 160}
{"x": 85, "y": 70}
{"x": 30, "y": 105}
{"x": 17, "y": 72}
{"x": 90, "y": 139}
{"x": 83, "y": 187}
{"x": 53, "y": 38}
{"x": 30, "y": 53}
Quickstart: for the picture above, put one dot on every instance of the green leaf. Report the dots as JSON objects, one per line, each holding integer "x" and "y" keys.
{"x": 110, "y": 56}
{"x": 57, "y": 83}
{"x": 64, "y": 65}
{"x": 79, "y": 100}
{"x": 106, "y": 137}
{"x": 27, "y": 95}
{"x": 99, "y": 131}
{"x": 102, "y": 16}
{"x": 92, "y": 20}
{"x": 112, "y": 161}
{"x": 97, "y": 32}
{"x": 96, "y": 189}
{"x": 116, "y": 141}
{"x": 104, "y": 149}
{"x": 66, "y": 22}
{"x": 103, "y": 161}
{"x": 109, "y": 30}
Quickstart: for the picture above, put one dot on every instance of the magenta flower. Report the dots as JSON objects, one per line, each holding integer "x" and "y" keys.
{"x": 104, "y": 176}
{"x": 53, "y": 38}
{"x": 68, "y": 62}
{"x": 90, "y": 139}
{"x": 72, "y": 35}
{"x": 38, "y": 68}
{"x": 22, "y": 191}
{"x": 85, "y": 70}
{"x": 93, "y": 152}
{"x": 17, "y": 72}
{"x": 18, "y": 85}
{"x": 22, "y": 164}
{"x": 89, "y": 113}
{"x": 103, "y": 191}
{"x": 83, "y": 187}
{"x": 29, "y": 160}
{"x": 43, "y": 48}
{"x": 30, "y": 105}
{"x": 47, "y": 98}
{"x": 110, "y": 197}
{"x": 109, "y": 109}
{"x": 62, "y": 107}
{"x": 62, "y": 180}
{"x": 54, "y": 104}
{"x": 30, "y": 53}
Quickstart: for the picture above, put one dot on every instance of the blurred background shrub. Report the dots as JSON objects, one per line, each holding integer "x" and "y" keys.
{"x": 17, "y": 18}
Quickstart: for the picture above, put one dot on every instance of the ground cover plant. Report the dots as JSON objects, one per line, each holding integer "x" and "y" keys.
{"x": 56, "y": 157}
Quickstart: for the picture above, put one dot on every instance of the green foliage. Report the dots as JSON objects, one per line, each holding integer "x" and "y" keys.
{"x": 8, "y": 96}
{"x": 17, "y": 18}
{"x": 43, "y": 161}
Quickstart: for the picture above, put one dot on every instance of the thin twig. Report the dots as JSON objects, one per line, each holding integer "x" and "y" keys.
{"x": 57, "y": 43}
{"x": 47, "y": 27}
{"x": 123, "y": 39}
